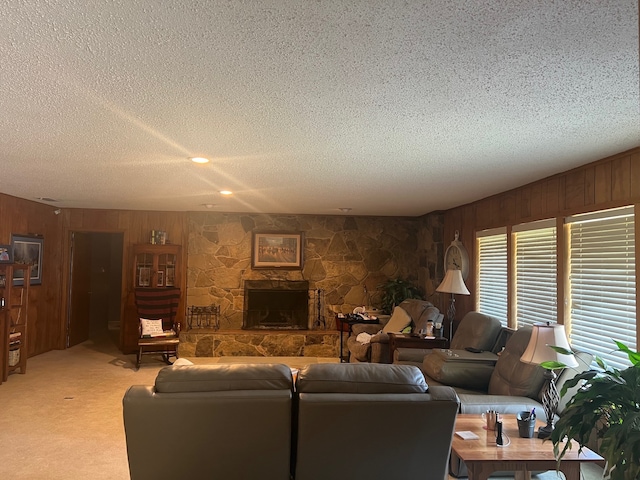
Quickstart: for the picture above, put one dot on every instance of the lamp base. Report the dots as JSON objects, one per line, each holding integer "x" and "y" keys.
{"x": 545, "y": 432}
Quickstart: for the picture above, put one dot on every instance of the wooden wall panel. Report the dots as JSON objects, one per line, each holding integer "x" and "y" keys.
{"x": 136, "y": 227}
{"x": 21, "y": 216}
{"x": 607, "y": 183}
{"x": 575, "y": 185}
{"x": 553, "y": 195}
{"x": 603, "y": 183}
{"x": 589, "y": 186}
{"x": 634, "y": 174}
{"x": 620, "y": 178}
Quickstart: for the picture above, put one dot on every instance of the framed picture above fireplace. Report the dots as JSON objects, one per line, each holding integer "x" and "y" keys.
{"x": 277, "y": 250}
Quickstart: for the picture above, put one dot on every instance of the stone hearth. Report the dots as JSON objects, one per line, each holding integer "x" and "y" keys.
{"x": 276, "y": 343}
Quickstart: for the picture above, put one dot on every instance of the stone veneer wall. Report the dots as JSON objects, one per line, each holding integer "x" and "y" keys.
{"x": 343, "y": 256}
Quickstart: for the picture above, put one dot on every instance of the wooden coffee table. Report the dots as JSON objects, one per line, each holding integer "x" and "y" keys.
{"x": 522, "y": 455}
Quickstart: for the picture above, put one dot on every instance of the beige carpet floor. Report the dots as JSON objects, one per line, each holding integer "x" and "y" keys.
{"x": 63, "y": 419}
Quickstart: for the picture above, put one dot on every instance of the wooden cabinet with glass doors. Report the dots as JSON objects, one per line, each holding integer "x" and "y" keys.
{"x": 156, "y": 266}
{"x": 152, "y": 266}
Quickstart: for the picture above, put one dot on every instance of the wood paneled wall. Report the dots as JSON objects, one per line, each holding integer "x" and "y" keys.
{"x": 19, "y": 216}
{"x": 607, "y": 183}
{"x": 136, "y": 227}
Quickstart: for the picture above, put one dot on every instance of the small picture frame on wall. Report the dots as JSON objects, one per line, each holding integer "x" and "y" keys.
{"x": 277, "y": 250}
{"x": 27, "y": 250}
{"x": 6, "y": 254}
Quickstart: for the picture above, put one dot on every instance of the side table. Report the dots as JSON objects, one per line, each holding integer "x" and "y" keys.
{"x": 403, "y": 340}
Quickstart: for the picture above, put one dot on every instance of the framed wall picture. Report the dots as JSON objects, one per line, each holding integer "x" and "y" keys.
{"x": 27, "y": 250}
{"x": 6, "y": 254}
{"x": 277, "y": 250}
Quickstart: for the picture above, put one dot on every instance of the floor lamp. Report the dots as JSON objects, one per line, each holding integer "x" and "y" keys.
{"x": 538, "y": 351}
{"x": 453, "y": 284}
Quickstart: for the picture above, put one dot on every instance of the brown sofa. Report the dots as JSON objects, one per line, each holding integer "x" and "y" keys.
{"x": 249, "y": 422}
{"x": 377, "y": 351}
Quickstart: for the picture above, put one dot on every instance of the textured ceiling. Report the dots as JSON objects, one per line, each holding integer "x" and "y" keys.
{"x": 386, "y": 107}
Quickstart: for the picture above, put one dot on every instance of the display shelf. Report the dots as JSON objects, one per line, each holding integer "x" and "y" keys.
{"x": 14, "y": 305}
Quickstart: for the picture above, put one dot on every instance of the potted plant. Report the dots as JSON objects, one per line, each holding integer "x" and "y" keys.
{"x": 395, "y": 291}
{"x": 609, "y": 402}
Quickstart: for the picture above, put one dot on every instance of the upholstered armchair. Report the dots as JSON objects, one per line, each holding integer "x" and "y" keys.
{"x": 412, "y": 313}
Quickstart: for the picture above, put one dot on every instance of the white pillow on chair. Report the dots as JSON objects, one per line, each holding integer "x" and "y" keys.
{"x": 151, "y": 327}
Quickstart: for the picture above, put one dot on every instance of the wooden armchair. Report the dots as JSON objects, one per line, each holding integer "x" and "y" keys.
{"x": 159, "y": 333}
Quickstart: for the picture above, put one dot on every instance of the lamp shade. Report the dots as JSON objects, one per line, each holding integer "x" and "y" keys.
{"x": 453, "y": 283}
{"x": 538, "y": 350}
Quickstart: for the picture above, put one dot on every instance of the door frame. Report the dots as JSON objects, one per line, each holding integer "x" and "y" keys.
{"x": 66, "y": 283}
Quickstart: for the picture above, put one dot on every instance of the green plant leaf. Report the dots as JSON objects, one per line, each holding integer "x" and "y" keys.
{"x": 607, "y": 403}
{"x": 552, "y": 365}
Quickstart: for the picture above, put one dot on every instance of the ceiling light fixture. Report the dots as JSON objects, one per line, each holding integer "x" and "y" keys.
{"x": 226, "y": 192}
{"x": 209, "y": 205}
{"x": 199, "y": 160}
{"x": 345, "y": 209}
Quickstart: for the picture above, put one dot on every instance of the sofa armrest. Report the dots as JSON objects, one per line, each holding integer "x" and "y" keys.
{"x": 370, "y": 328}
{"x": 381, "y": 337}
{"x": 440, "y": 392}
{"x": 459, "y": 368}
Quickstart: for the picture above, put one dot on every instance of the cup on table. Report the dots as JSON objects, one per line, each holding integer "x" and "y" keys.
{"x": 490, "y": 416}
{"x": 526, "y": 424}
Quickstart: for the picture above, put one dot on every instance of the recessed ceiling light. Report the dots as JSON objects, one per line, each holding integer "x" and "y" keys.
{"x": 345, "y": 209}
{"x": 199, "y": 160}
{"x": 209, "y": 205}
{"x": 226, "y": 192}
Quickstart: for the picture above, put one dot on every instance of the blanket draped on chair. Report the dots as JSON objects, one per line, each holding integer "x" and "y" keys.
{"x": 158, "y": 303}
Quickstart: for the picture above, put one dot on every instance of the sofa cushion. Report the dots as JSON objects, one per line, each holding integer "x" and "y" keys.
{"x": 513, "y": 377}
{"x": 212, "y": 378}
{"x": 398, "y": 321}
{"x": 360, "y": 378}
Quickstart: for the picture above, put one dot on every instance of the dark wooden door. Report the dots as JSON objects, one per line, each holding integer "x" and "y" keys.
{"x": 80, "y": 293}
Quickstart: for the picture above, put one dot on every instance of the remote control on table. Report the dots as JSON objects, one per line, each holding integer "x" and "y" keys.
{"x": 473, "y": 350}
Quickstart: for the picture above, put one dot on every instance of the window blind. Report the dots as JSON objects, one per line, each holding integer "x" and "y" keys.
{"x": 536, "y": 273}
{"x": 602, "y": 283}
{"x": 492, "y": 274}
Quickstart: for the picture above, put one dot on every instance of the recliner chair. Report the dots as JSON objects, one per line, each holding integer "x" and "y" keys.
{"x": 476, "y": 330}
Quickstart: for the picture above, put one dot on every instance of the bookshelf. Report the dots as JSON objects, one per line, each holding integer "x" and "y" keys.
{"x": 14, "y": 302}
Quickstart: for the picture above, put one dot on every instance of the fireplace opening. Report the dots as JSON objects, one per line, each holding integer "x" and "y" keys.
{"x": 276, "y": 305}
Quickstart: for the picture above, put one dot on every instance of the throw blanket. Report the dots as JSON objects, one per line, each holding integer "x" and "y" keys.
{"x": 364, "y": 338}
{"x": 158, "y": 303}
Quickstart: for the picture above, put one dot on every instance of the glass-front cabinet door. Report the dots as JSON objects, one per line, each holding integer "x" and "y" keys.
{"x": 156, "y": 265}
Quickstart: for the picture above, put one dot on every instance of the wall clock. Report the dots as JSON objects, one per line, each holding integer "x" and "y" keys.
{"x": 456, "y": 257}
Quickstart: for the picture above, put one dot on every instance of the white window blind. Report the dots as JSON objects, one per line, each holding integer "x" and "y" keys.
{"x": 602, "y": 283}
{"x": 536, "y": 273}
{"x": 492, "y": 274}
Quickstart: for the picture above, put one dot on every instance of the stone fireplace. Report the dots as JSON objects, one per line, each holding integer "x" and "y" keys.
{"x": 276, "y": 304}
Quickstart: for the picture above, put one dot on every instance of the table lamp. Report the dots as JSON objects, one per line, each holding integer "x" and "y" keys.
{"x": 453, "y": 284}
{"x": 543, "y": 336}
